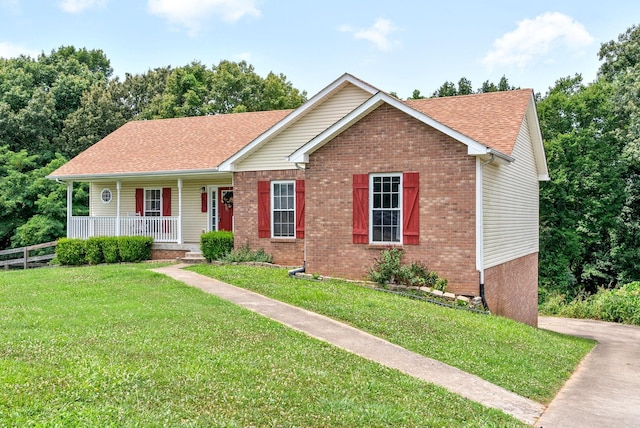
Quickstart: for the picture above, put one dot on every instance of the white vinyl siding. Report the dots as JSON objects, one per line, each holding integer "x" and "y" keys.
{"x": 511, "y": 202}
{"x": 272, "y": 155}
{"x": 194, "y": 222}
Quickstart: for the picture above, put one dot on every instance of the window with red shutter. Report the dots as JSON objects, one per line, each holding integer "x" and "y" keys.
{"x": 360, "y": 209}
{"x": 264, "y": 208}
{"x": 411, "y": 208}
{"x": 300, "y": 209}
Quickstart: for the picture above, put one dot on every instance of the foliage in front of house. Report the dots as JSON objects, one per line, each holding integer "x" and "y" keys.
{"x": 103, "y": 249}
{"x": 216, "y": 244}
{"x": 619, "y": 305}
{"x": 246, "y": 254}
{"x": 389, "y": 269}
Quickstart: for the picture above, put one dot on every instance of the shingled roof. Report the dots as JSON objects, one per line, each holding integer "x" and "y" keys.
{"x": 170, "y": 145}
{"x": 493, "y": 119}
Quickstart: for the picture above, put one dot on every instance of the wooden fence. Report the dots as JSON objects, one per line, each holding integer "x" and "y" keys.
{"x": 24, "y": 257}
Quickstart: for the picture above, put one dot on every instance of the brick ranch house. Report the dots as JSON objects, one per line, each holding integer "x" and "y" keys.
{"x": 453, "y": 181}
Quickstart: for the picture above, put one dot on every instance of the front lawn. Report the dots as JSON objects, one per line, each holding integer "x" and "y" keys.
{"x": 530, "y": 362}
{"x": 123, "y": 346}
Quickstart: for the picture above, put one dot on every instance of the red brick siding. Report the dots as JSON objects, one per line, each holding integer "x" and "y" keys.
{"x": 387, "y": 140}
{"x": 511, "y": 289}
{"x": 157, "y": 254}
{"x": 245, "y": 217}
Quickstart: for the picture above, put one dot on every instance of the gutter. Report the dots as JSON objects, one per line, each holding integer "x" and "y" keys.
{"x": 143, "y": 174}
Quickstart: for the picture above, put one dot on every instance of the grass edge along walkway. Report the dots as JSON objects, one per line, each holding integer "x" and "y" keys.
{"x": 367, "y": 346}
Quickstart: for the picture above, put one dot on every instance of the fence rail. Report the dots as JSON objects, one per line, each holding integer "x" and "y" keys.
{"x": 26, "y": 258}
{"x": 161, "y": 229}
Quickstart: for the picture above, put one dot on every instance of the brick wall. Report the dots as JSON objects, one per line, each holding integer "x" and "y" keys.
{"x": 511, "y": 289}
{"x": 387, "y": 140}
{"x": 245, "y": 194}
{"x": 160, "y": 254}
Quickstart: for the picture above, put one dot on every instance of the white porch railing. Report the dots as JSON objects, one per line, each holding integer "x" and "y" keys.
{"x": 161, "y": 229}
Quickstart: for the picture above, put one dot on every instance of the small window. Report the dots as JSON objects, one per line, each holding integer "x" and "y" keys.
{"x": 386, "y": 212}
{"x": 106, "y": 196}
{"x": 152, "y": 202}
{"x": 283, "y": 209}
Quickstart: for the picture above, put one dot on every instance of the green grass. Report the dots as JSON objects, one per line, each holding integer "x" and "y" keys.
{"x": 531, "y": 362}
{"x": 123, "y": 346}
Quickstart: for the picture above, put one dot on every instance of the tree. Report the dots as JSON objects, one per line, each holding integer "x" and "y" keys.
{"x": 621, "y": 67}
{"x": 580, "y": 205}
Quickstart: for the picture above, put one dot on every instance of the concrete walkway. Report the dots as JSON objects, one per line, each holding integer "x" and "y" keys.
{"x": 605, "y": 389}
{"x": 367, "y": 346}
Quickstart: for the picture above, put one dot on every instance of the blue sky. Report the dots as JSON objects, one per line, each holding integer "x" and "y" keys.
{"x": 394, "y": 45}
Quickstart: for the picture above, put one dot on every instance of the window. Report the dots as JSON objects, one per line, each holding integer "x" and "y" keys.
{"x": 106, "y": 196}
{"x": 152, "y": 202}
{"x": 386, "y": 208}
{"x": 283, "y": 209}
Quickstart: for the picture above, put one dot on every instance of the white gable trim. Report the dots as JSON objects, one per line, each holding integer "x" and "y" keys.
{"x": 228, "y": 165}
{"x": 473, "y": 147}
{"x": 536, "y": 141}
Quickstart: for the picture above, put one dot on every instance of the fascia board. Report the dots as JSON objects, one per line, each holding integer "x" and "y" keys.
{"x": 536, "y": 140}
{"x": 228, "y": 165}
{"x": 153, "y": 174}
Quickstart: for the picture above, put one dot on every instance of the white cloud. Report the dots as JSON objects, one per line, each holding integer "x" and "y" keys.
{"x": 77, "y": 6}
{"x": 535, "y": 38}
{"x": 8, "y": 50}
{"x": 191, "y": 14}
{"x": 378, "y": 34}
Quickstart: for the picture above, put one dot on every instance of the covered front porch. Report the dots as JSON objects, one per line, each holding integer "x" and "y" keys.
{"x": 174, "y": 211}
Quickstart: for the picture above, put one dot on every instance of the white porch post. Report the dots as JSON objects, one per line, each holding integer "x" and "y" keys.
{"x": 118, "y": 186}
{"x": 180, "y": 211}
{"x": 69, "y": 207}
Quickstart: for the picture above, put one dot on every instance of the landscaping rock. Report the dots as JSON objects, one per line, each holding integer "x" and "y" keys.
{"x": 449, "y": 296}
{"x": 436, "y": 293}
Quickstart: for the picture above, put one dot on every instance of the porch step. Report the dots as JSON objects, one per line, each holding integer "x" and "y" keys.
{"x": 193, "y": 257}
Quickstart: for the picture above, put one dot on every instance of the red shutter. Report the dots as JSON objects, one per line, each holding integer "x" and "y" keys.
{"x": 360, "y": 208}
{"x": 204, "y": 204}
{"x": 300, "y": 209}
{"x": 411, "y": 208}
{"x": 166, "y": 201}
{"x": 140, "y": 201}
{"x": 264, "y": 209}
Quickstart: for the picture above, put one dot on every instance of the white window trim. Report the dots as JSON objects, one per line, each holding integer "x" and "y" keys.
{"x": 271, "y": 196}
{"x": 400, "y": 207}
{"x": 144, "y": 201}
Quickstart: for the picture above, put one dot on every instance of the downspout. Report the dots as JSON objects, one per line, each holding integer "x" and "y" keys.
{"x": 293, "y": 272}
{"x": 480, "y": 226}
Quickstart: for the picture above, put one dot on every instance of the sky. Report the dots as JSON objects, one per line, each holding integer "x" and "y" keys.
{"x": 396, "y": 46}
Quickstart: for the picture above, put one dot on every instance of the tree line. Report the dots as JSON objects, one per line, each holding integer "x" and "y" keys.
{"x": 55, "y": 106}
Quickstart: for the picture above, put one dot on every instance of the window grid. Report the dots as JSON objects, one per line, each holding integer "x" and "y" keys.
{"x": 283, "y": 209}
{"x": 386, "y": 203}
{"x": 152, "y": 202}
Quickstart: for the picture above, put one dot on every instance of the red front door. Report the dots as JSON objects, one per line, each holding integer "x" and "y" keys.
{"x": 225, "y": 208}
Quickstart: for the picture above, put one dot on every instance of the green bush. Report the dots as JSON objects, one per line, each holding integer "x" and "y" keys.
{"x": 245, "y": 254}
{"x": 217, "y": 244}
{"x": 110, "y": 249}
{"x": 93, "y": 250}
{"x": 388, "y": 269}
{"x": 134, "y": 248}
{"x": 618, "y": 305}
{"x": 71, "y": 251}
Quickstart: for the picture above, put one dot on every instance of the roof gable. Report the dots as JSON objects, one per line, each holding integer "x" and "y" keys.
{"x": 301, "y": 111}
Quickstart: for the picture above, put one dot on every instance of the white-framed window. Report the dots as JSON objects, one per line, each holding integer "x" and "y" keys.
{"x": 283, "y": 209}
{"x": 106, "y": 196}
{"x": 153, "y": 202}
{"x": 385, "y": 196}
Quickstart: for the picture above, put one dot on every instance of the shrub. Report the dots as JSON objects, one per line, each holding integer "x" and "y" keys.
{"x": 110, "y": 249}
{"x": 388, "y": 269}
{"x": 93, "y": 250}
{"x": 70, "y": 251}
{"x": 134, "y": 248}
{"x": 245, "y": 254}
{"x": 217, "y": 244}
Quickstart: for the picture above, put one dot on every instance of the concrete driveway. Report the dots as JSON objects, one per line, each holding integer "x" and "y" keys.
{"x": 605, "y": 389}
